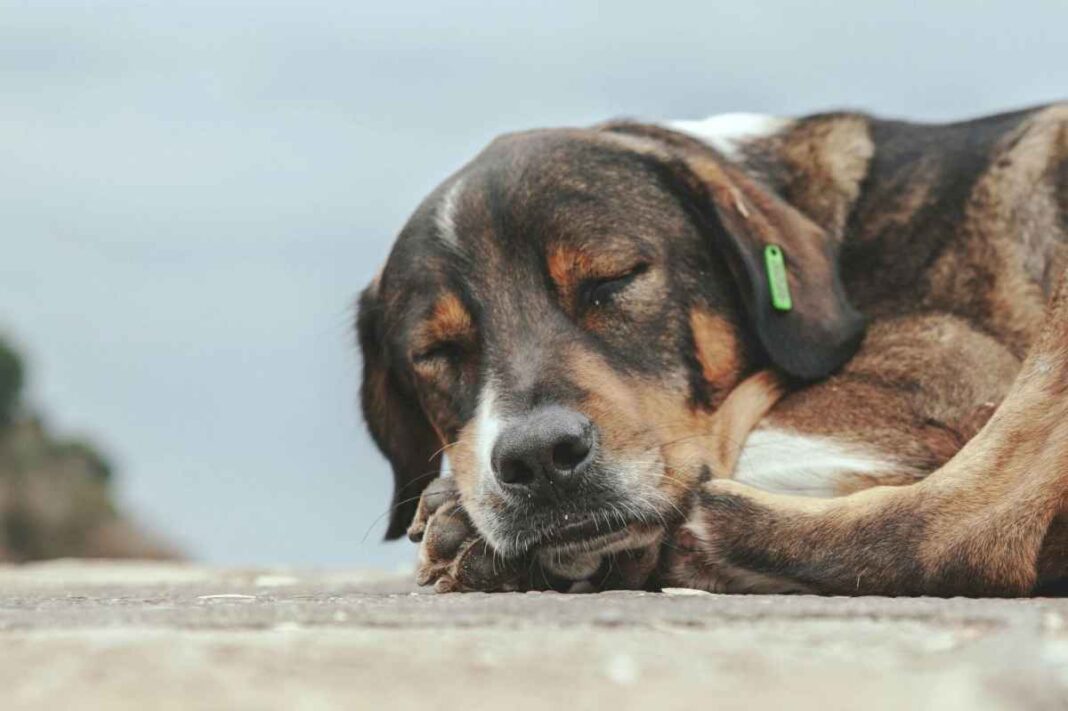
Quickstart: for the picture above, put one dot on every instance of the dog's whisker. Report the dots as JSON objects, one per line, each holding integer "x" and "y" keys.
{"x": 442, "y": 448}
{"x": 387, "y": 512}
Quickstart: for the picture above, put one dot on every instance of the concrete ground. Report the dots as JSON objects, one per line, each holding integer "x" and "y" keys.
{"x": 146, "y": 636}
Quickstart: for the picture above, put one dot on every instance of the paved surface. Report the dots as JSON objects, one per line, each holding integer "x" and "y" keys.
{"x": 145, "y": 636}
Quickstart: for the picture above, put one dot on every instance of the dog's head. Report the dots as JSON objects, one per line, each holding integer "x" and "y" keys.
{"x": 562, "y": 315}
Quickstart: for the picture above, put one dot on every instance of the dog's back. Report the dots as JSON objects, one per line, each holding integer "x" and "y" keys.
{"x": 965, "y": 218}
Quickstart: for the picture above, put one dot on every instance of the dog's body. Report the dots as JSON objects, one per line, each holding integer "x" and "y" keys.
{"x": 949, "y": 235}
{"x": 948, "y": 238}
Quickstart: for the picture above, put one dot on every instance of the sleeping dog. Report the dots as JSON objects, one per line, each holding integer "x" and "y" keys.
{"x": 741, "y": 354}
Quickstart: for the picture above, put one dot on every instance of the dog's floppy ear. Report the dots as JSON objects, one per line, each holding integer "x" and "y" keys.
{"x": 821, "y": 330}
{"x": 394, "y": 417}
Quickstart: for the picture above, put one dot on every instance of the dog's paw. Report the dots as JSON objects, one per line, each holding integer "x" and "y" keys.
{"x": 454, "y": 556}
{"x": 692, "y": 559}
{"x": 706, "y": 551}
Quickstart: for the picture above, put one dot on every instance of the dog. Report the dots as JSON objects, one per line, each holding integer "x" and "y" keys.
{"x": 742, "y": 354}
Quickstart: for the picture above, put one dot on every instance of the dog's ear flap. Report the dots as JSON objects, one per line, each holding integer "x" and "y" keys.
{"x": 821, "y": 330}
{"x": 394, "y": 417}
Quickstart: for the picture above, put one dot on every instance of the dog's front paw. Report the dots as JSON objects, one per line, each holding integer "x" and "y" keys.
{"x": 714, "y": 549}
{"x": 454, "y": 556}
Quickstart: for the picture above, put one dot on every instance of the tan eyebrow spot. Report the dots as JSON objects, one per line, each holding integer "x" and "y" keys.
{"x": 569, "y": 266}
{"x": 449, "y": 320}
{"x": 566, "y": 268}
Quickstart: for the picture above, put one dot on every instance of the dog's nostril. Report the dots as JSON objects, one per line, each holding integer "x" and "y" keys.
{"x": 570, "y": 452}
{"x": 515, "y": 471}
{"x": 550, "y": 447}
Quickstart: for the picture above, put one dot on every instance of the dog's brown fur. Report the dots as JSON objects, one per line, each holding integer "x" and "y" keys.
{"x": 989, "y": 522}
{"x": 949, "y": 239}
{"x": 982, "y": 523}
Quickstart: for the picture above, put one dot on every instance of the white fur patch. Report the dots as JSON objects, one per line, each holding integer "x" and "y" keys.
{"x": 791, "y": 463}
{"x": 729, "y": 132}
{"x": 445, "y": 215}
{"x": 488, "y": 428}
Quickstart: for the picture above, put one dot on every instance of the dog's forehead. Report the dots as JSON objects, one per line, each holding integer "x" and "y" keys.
{"x": 539, "y": 176}
{"x": 524, "y": 193}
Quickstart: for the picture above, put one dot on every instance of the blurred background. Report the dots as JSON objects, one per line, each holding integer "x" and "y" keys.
{"x": 192, "y": 194}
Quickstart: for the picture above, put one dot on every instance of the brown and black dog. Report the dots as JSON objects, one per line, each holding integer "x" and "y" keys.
{"x": 581, "y": 321}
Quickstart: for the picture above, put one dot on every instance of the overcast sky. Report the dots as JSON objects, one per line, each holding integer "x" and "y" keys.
{"x": 192, "y": 194}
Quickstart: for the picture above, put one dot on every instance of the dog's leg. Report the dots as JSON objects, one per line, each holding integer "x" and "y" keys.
{"x": 921, "y": 387}
{"x": 977, "y": 526}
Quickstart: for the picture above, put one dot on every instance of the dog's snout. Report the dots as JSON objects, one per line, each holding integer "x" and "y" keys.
{"x": 550, "y": 447}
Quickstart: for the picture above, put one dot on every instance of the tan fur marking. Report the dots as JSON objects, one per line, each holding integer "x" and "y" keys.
{"x": 718, "y": 349}
{"x": 1011, "y": 221}
{"x": 636, "y": 418}
{"x": 450, "y": 317}
{"x": 567, "y": 266}
{"x": 739, "y": 414}
{"x": 613, "y": 403}
{"x": 570, "y": 266}
{"x": 830, "y": 158}
{"x": 654, "y": 423}
{"x": 859, "y": 482}
{"x": 449, "y": 320}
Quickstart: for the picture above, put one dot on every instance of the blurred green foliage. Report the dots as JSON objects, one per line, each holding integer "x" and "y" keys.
{"x": 55, "y": 498}
{"x": 11, "y": 378}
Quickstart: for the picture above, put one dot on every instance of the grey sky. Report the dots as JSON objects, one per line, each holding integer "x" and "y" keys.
{"x": 191, "y": 195}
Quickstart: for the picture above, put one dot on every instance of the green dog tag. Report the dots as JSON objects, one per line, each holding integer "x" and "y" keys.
{"x": 777, "y": 281}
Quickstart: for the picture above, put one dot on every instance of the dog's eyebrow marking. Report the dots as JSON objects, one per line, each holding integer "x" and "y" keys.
{"x": 448, "y": 319}
{"x": 809, "y": 465}
{"x": 568, "y": 265}
{"x": 727, "y": 133}
{"x": 445, "y": 214}
{"x": 450, "y": 316}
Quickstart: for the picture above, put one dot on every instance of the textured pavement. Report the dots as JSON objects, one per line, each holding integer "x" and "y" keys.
{"x": 144, "y": 636}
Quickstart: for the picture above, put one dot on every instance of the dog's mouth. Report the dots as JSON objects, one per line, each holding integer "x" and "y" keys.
{"x": 590, "y": 532}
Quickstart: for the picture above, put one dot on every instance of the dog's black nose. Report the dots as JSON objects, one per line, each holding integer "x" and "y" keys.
{"x": 550, "y": 447}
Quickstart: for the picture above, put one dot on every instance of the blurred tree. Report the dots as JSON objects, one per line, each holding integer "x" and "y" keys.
{"x": 55, "y": 497}
{"x": 10, "y": 382}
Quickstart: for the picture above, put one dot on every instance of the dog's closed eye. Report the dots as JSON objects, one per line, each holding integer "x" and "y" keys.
{"x": 448, "y": 352}
{"x": 602, "y": 290}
